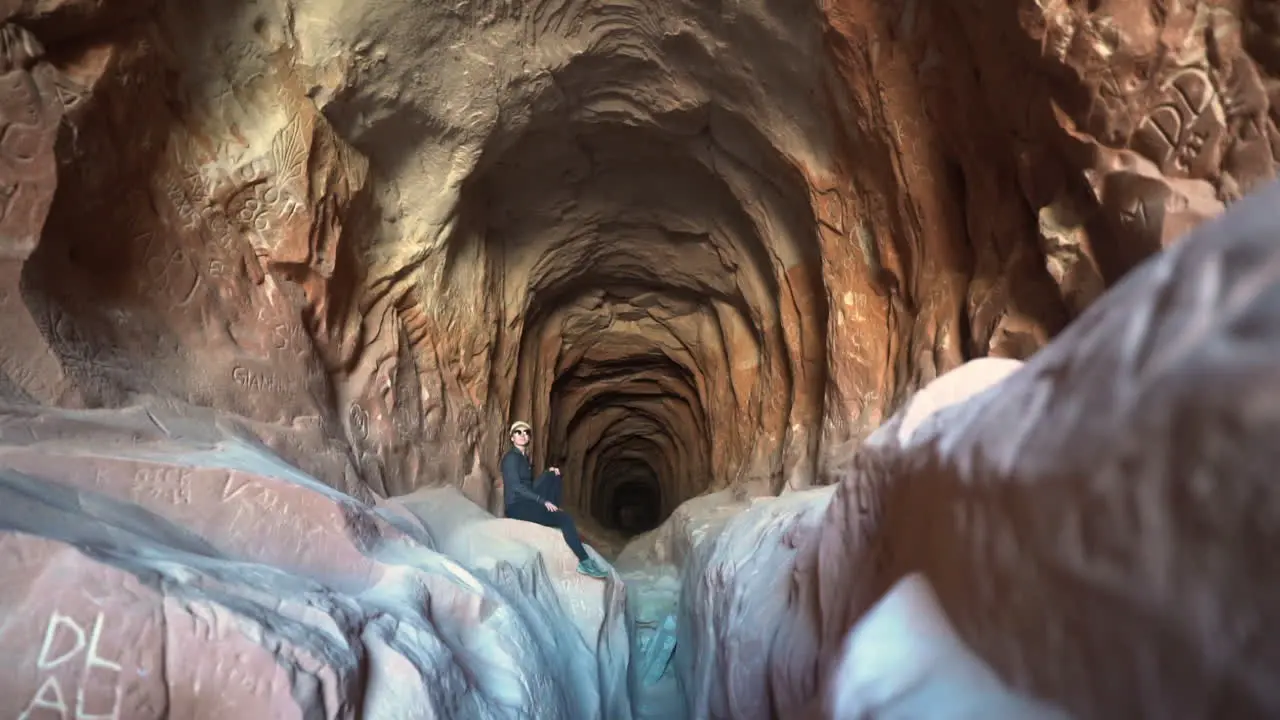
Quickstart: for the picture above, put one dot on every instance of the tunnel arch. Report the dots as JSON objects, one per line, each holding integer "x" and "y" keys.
{"x": 678, "y": 248}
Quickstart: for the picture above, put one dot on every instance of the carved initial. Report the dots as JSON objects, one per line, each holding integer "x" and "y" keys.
{"x": 1175, "y": 133}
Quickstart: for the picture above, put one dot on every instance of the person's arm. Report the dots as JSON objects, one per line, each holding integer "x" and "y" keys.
{"x": 511, "y": 479}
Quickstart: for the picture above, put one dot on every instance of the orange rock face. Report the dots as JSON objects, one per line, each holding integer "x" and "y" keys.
{"x": 1096, "y": 524}
{"x": 716, "y": 282}
{"x": 705, "y": 249}
{"x": 159, "y": 564}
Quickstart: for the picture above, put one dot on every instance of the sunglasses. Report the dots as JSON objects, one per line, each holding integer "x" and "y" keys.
{"x": 520, "y": 432}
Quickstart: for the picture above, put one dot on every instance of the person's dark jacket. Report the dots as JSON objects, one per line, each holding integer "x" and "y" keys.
{"x": 517, "y": 479}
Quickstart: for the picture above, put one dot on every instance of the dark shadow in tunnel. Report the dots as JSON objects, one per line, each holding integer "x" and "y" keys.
{"x": 635, "y": 505}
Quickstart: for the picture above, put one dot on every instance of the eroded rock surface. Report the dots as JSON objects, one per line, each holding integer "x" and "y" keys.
{"x": 904, "y": 660}
{"x": 165, "y": 566}
{"x": 688, "y": 274}
{"x": 705, "y": 249}
{"x": 1096, "y": 523}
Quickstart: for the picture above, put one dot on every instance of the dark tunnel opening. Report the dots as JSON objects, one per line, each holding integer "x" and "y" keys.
{"x": 634, "y": 496}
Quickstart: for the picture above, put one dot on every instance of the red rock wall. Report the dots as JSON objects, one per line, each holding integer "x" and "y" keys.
{"x": 1018, "y": 158}
{"x": 1097, "y": 522}
{"x": 248, "y": 211}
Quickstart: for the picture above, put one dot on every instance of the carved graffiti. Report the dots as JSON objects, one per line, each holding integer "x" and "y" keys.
{"x": 359, "y": 421}
{"x": 289, "y": 337}
{"x": 282, "y": 336}
{"x": 69, "y": 93}
{"x": 251, "y": 498}
{"x": 170, "y": 485}
{"x": 289, "y": 149}
{"x": 1180, "y": 132}
{"x": 1133, "y": 216}
{"x": 1138, "y": 206}
{"x": 169, "y": 272}
{"x": 230, "y": 490}
{"x": 263, "y": 209}
{"x": 215, "y": 220}
{"x": 262, "y": 200}
{"x": 831, "y": 211}
{"x": 255, "y": 171}
{"x": 250, "y": 681}
{"x": 66, "y": 640}
{"x": 281, "y": 339}
{"x": 20, "y": 372}
{"x": 249, "y": 380}
{"x": 175, "y": 192}
{"x": 30, "y": 112}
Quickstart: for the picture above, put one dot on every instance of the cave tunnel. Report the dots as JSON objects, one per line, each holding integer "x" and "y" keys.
{"x": 644, "y": 242}
{"x": 276, "y": 277}
{"x": 633, "y": 231}
{"x": 653, "y": 284}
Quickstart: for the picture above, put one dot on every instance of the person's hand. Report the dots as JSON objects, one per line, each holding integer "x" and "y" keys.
{"x": 551, "y": 506}
{"x": 555, "y": 470}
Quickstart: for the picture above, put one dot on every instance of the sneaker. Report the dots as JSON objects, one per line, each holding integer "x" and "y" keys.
{"x": 589, "y": 568}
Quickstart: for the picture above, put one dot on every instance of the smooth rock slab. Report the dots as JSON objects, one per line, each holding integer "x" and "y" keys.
{"x": 203, "y": 577}
{"x": 1098, "y": 526}
{"x": 533, "y": 568}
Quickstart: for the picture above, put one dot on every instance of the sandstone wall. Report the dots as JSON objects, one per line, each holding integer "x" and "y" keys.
{"x": 697, "y": 246}
{"x": 1097, "y": 524}
{"x": 160, "y": 564}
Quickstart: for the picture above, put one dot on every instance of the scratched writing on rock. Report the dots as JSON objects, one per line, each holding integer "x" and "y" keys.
{"x": 1176, "y": 132}
{"x": 170, "y": 271}
{"x": 288, "y": 336}
{"x": 249, "y": 380}
{"x": 191, "y": 214}
{"x": 20, "y": 371}
{"x": 196, "y": 212}
{"x": 71, "y": 659}
{"x": 264, "y": 203}
{"x": 264, "y": 208}
{"x": 359, "y": 421}
{"x": 284, "y": 335}
{"x": 289, "y": 150}
{"x": 1137, "y": 218}
{"x": 254, "y": 493}
{"x": 254, "y": 501}
{"x": 166, "y": 484}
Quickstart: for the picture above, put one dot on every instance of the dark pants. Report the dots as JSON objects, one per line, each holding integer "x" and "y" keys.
{"x": 548, "y": 485}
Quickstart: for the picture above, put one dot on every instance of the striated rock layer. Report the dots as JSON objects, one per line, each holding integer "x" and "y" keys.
{"x": 165, "y": 566}
{"x": 336, "y": 246}
{"x": 1096, "y": 525}
{"x": 698, "y": 247}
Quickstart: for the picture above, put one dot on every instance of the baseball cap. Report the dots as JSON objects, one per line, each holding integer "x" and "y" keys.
{"x": 520, "y": 425}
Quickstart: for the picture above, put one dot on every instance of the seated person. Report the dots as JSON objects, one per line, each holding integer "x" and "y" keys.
{"x": 538, "y": 501}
